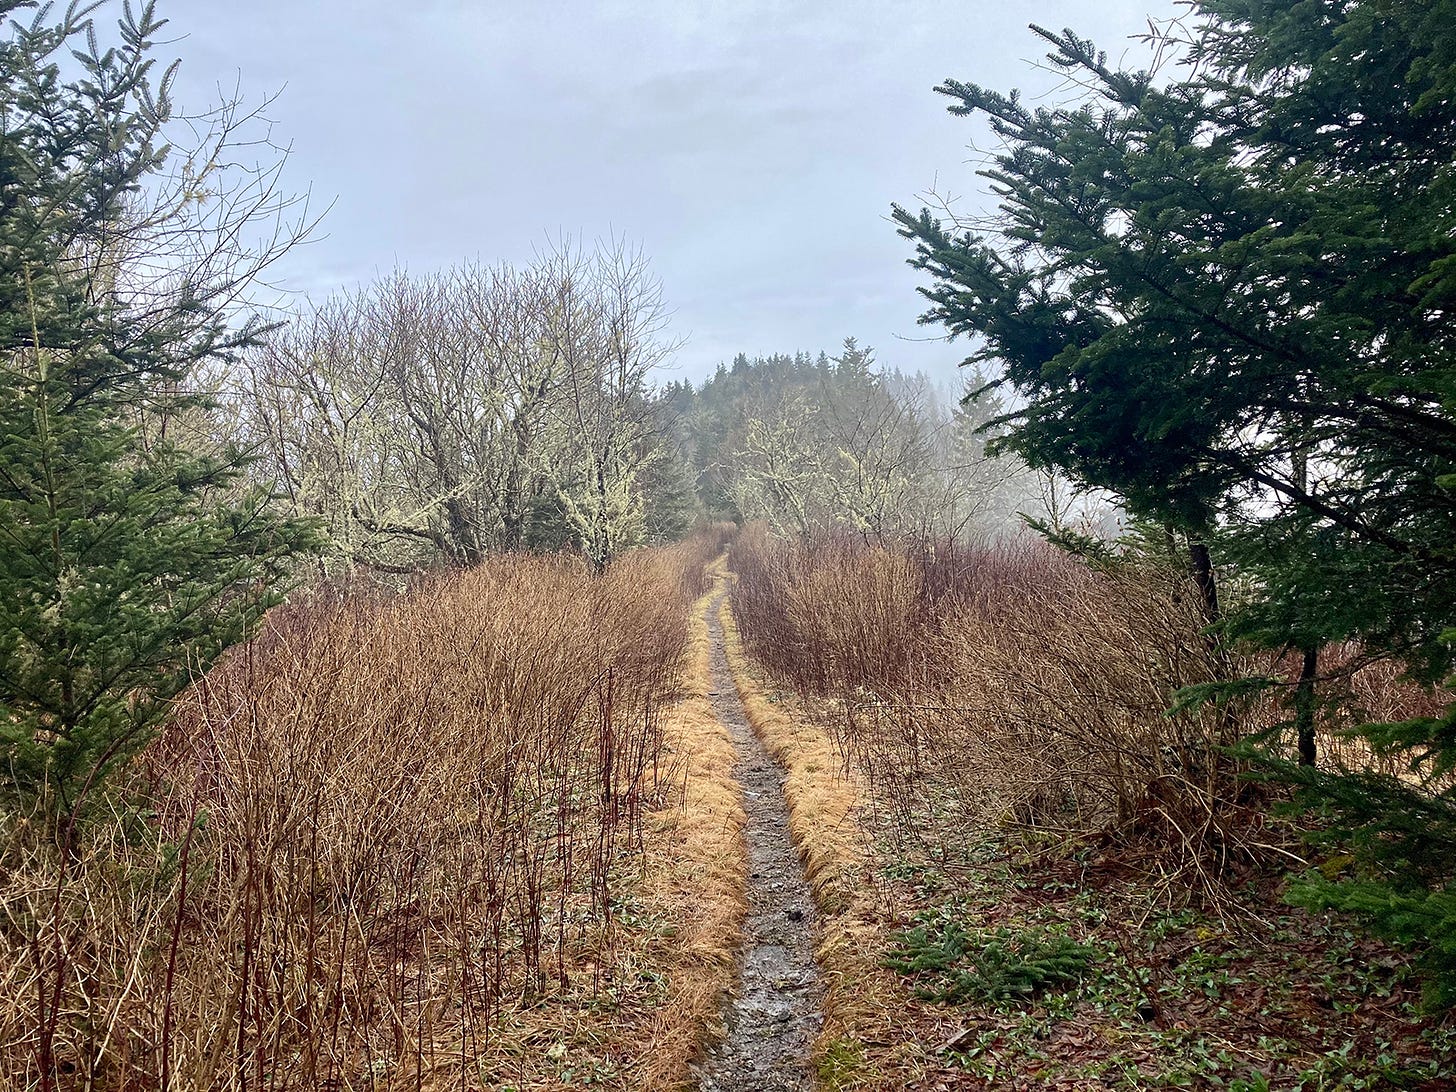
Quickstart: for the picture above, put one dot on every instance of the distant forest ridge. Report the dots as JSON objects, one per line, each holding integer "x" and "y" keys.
{"x": 446, "y": 417}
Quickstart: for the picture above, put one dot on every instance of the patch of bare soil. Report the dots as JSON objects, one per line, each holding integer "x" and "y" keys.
{"x": 776, "y": 1012}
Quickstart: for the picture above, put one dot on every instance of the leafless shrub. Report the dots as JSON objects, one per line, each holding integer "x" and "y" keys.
{"x": 1007, "y": 683}
{"x": 361, "y": 836}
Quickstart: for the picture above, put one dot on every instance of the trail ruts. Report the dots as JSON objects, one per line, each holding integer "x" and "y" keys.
{"x": 776, "y": 1012}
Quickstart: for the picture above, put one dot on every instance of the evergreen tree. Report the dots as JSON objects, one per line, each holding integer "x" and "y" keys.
{"x": 127, "y": 561}
{"x": 1226, "y": 296}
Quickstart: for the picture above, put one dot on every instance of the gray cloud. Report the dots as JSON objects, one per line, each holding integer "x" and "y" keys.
{"x": 751, "y": 148}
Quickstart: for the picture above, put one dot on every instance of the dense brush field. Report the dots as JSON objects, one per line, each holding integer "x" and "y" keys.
{"x": 1045, "y": 878}
{"x": 367, "y": 842}
{"x": 481, "y": 830}
{"x": 1014, "y": 682}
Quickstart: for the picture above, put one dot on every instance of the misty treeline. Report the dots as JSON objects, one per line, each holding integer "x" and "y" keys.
{"x": 442, "y": 417}
{"x": 810, "y": 445}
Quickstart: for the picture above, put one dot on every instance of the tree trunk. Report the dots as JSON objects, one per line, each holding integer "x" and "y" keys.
{"x": 1305, "y": 705}
{"x": 513, "y": 507}
{"x": 1201, "y": 566}
{"x": 464, "y": 543}
{"x": 1304, "y": 693}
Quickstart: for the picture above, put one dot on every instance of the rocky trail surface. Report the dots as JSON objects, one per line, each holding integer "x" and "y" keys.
{"x": 774, "y": 1015}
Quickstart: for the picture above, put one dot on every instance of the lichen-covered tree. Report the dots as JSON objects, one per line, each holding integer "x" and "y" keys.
{"x": 839, "y": 444}
{"x": 613, "y": 337}
{"x": 436, "y": 418}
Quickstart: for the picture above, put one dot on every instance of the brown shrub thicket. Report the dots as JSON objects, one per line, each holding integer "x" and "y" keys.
{"x": 1002, "y": 683}
{"x": 361, "y": 836}
{"x": 1013, "y": 683}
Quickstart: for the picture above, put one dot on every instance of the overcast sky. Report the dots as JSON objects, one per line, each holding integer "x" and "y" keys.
{"x": 752, "y": 149}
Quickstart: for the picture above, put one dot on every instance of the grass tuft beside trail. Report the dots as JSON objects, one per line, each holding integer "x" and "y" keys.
{"x": 481, "y": 834}
{"x": 861, "y": 997}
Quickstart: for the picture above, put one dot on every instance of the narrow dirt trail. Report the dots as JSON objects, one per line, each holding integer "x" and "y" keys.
{"x": 776, "y": 1010}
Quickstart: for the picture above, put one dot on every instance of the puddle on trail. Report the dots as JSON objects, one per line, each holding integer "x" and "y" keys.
{"x": 775, "y": 1014}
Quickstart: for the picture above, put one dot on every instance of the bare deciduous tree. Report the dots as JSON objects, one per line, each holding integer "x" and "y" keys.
{"x": 434, "y": 418}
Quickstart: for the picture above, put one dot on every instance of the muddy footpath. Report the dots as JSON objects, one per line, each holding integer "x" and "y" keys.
{"x": 775, "y": 1012}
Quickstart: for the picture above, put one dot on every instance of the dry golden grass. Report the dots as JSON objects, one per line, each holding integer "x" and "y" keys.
{"x": 1014, "y": 685}
{"x": 1009, "y": 685}
{"x": 856, "y": 1047}
{"x": 696, "y": 869}
{"x": 399, "y": 842}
